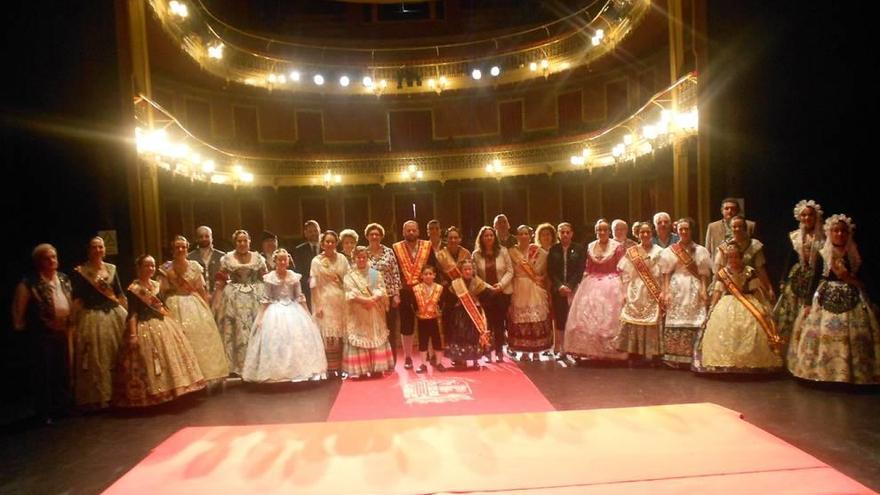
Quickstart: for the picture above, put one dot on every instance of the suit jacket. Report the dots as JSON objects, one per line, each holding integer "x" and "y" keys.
{"x": 717, "y": 232}
{"x": 556, "y": 266}
{"x": 509, "y": 242}
{"x": 213, "y": 267}
{"x": 302, "y": 259}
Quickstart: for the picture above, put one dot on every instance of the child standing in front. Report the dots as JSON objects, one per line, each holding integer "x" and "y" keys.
{"x": 427, "y": 295}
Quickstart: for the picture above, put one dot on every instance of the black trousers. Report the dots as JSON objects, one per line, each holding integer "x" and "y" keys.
{"x": 495, "y": 306}
{"x": 407, "y": 310}
{"x": 50, "y": 376}
{"x": 429, "y": 330}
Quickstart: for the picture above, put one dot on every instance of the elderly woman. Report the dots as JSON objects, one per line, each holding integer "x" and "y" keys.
{"x": 348, "y": 239}
{"x": 594, "y": 319}
{"x": 240, "y": 284}
{"x": 367, "y": 352}
{"x": 156, "y": 363}
{"x": 545, "y": 236}
{"x": 101, "y": 308}
{"x": 620, "y": 231}
{"x": 796, "y": 288}
{"x": 752, "y": 251}
{"x": 838, "y": 337}
{"x": 328, "y": 298}
{"x": 494, "y": 266}
{"x": 382, "y": 259}
{"x": 182, "y": 283}
{"x": 530, "y": 328}
{"x": 42, "y": 307}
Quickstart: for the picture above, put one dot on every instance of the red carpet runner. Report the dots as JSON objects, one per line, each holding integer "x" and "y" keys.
{"x": 497, "y": 388}
{"x": 685, "y": 448}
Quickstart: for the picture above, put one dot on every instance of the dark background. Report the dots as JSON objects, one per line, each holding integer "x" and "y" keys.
{"x": 792, "y": 94}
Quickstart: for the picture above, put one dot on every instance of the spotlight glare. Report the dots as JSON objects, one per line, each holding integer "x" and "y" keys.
{"x": 495, "y": 70}
{"x": 215, "y": 51}
{"x": 545, "y": 63}
{"x": 477, "y": 74}
{"x": 533, "y": 66}
{"x": 294, "y": 76}
{"x": 367, "y": 81}
{"x": 318, "y": 79}
{"x": 344, "y": 81}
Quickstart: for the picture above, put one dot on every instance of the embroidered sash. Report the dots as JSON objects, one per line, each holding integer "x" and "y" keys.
{"x": 478, "y": 318}
{"x": 177, "y": 279}
{"x": 686, "y": 259}
{"x": 412, "y": 268}
{"x": 524, "y": 262}
{"x": 428, "y": 305}
{"x": 635, "y": 257}
{"x": 100, "y": 285}
{"x": 767, "y": 324}
{"x": 149, "y": 298}
{"x": 448, "y": 264}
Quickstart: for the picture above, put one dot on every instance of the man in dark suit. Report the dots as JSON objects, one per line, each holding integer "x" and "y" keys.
{"x": 206, "y": 255}
{"x": 303, "y": 254}
{"x": 565, "y": 265}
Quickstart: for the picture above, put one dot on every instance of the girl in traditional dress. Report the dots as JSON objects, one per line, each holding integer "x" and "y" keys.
{"x": 752, "y": 251}
{"x": 156, "y": 362}
{"x": 530, "y": 329}
{"x": 240, "y": 283}
{"x": 493, "y": 265}
{"x": 328, "y": 298}
{"x": 348, "y": 239}
{"x": 467, "y": 332}
{"x": 182, "y": 283}
{"x": 594, "y": 318}
{"x": 100, "y": 306}
{"x": 797, "y": 285}
{"x": 367, "y": 352}
{"x": 640, "y": 316}
{"x": 686, "y": 267}
{"x": 285, "y": 345}
{"x": 838, "y": 337}
{"x": 740, "y": 335}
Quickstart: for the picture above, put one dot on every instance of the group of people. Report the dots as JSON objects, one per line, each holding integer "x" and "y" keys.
{"x": 330, "y": 306}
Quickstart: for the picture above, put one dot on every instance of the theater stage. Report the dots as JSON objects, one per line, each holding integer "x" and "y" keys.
{"x": 684, "y": 448}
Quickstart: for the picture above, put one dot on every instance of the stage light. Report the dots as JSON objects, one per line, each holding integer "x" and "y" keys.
{"x": 282, "y": 79}
{"x": 218, "y": 179}
{"x": 272, "y": 78}
{"x": 577, "y": 160}
{"x": 208, "y": 166}
{"x": 628, "y": 139}
{"x": 586, "y": 152}
{"x": 595, "y": 41}
{"x": 178, "y": 9}
{"x": 495, "y": 70}
{"x": 432, "y": 83}
{"x": 294, "y": 76}
{"x": 649, "y": 131}
{"x": 383, "y": 84}
{"x": 247, "y": 177}
{"x": 344, "y": 81}
{"x": 318, "y": 79}
{"x": 477, "y": 74}
{"x": 533, "y": 66}
{"x": 367, "y": 81}
{"x": 215, "y": 51}
{"x": 545, "y": 64}
{"x": 618, "y": 150}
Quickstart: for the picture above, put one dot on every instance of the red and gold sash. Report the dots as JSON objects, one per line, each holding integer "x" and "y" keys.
{"x": 524, "y": 262}
{"x": 634, "y": 254}
{"x": 460, "y": 289}
{"x": 102, "y": 286}
{"x": 767, "y": 324}
{"x": 686, "y": 259}
{"x": 177, "y": 279}
{"x": 428, "y": 304}
{"x": 149, "y": 298}
{"x": 412, "y": 268}
{"x": 448, "y": 264}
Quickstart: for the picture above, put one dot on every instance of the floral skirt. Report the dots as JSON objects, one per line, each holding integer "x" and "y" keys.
{"x": 358, "y": 361}
{"x": 201, "y": 330}
{"x": 462, "y": 336}
{"x": 734, "y": 342}
{"x": 98, "y": 336}
{"x": 639, "y": 340}
{"x": 677, "y": 345}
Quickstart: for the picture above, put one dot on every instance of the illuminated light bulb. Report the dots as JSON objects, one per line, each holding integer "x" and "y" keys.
{"x": 600, "y": 33}
{"x": 247, "y": 177}
{"x": 344, "y": 81}
{"x": 565, "y": 65}
{"x": 383, "y": 84}
{"x": 477, "y": 74}
{"x": 443, "y": 81}
{"x": 215, "y": 51}
{"x": 586, "y": 152}
{"x": 208, "y": 166}
{"x": 338, "y": 179}
{"x": 595, "y": 41}
{"x": 237, "y": 169}
{"x": 195, "y": 158}
{"x": 665, "y": 115}
{"x": 419, "y": 174}
{"x": 272, "y": 78}
{"x": 577, "y": 160}
{"x": 412, "y": 168}
{"x": 404, "y": 175}
{"x": 178, "y": 8}
{"x": 250, "y": 81}
{"x": 533, "y": 66}
{"x": 294, "y": 76}
{"x": 218, "y": 179}
{"x": 282, "y": 79}
{"x": 495, "y": 70}
{"x": 545, "y": 63}
{"x": 628, "y": 139}
{"x": 489, "y": 168}
{"x": 617, "y": 150}
{"x": 432, "y": 83}
{"x": 318, "y": 79}
{"x": 646, "y": 148}
{"x": 367, "y": 81}
{"x": 649, "y": 131}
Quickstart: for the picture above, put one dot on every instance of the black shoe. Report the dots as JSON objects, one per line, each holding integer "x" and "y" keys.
{"x": 407, "y": 364}
{"x": 439, "y": 367}
{"x": 499, "y": 359}
{"x": 423, "y": 368}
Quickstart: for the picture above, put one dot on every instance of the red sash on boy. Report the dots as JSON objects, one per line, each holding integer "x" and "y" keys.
{"x": 634, "y": 254}
{"x": 102, "y": 287}
{"x": 686, "y": 259}
{"x": 478, "y": 318}
{"x": 412, "y": 268}
{"x": 767, "y": 324}
{"x": 428, "y": 304}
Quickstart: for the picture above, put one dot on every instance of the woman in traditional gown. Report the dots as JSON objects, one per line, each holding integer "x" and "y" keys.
{"x": 328, "y": 298}
{"x": 838, "y": 337}
{"x": 493, "y": 265}
{"x": 156, "y": 362}
{"x": 530, "y": 329}
{"x": 382, "y": 259}
{"x": 240, "y": 284}
{"x": 640, "y": 316}
{"x": 101, "y": 311}
{"x": 348, "y": 239}
{"x": 367, "y": 352}
{"x": 285, "y": 345}
{"x": 467, "y": 332}
{"x": 797, "y": 285}
{"x": 594, "y": 318}
{"x": 686, "y": 267}
{"x": 182, "y": 283}
{"x": 752, "y": 251}
{"x": 740, "y": 335}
